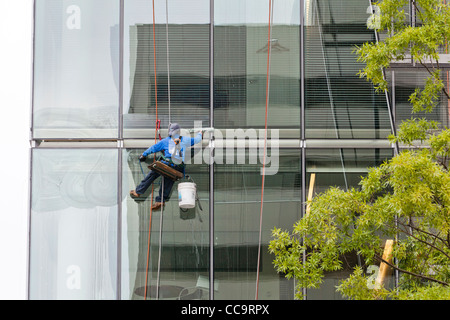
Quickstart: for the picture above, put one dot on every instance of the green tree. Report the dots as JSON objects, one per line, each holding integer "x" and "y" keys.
{"x": 406, "y": 199}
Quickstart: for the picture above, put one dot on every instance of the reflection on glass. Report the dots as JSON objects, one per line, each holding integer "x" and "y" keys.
{"x": 76, "y": 69}
{"x": 338, "y": 103}
{"x": 405, "y": 84}
{"x": 237, "y": 217}
{"x": 338, "y": 168}
{"x": 183, "y": 261}
{"x": 240, "y": 64}
{"x": 182, "y": 89}
{"x": 73, "y": 253}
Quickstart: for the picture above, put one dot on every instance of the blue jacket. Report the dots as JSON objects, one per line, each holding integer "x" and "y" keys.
{"x": 163, "y": 145}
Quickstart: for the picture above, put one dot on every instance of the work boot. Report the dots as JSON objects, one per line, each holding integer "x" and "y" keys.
{"x": 133, "y": 194}
{"x": 156, "y": 206}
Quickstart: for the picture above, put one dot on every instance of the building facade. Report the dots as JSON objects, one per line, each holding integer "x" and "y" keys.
{"x": 106, "y": 71}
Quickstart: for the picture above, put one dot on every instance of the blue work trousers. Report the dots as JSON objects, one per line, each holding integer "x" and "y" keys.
{"x": 148, "y": 180}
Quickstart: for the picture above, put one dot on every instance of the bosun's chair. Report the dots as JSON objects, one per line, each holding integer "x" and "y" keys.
{"x": 165, "y": 170}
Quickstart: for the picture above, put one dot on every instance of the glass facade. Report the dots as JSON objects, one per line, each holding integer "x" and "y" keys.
{"x": 76, "y": 69}
{"x": 106, "y": 71}
{"x": 240, "y": 64}
{"x": 75, "y": 224}
{"x": 339, "y": 104}
{"x": 180, "y": 58}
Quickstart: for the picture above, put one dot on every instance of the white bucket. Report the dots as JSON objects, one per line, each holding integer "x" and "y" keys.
{"x": 186, "y": 195}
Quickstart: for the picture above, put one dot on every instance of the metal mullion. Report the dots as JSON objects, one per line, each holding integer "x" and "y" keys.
{"x": 30, "y": 181}
{"x": 120, "y": 153}
{"x": 33, "y": 46}
{"x": 211, "y": 155}
{"x": 121, "y": 66}
{"x": 119, "y": 225}
{"x": 302, "y": 120}
{"x": 31, "y": 137}
{"x": 302, "y": 72}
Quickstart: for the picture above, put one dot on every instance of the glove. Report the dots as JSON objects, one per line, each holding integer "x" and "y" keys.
{"x": 142, "y": 158}
{"x": 200, "y": 132}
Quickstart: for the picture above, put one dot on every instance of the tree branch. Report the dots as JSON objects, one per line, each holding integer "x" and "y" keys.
{"x": 442, "y": 162}
{"x": 431, "y": 73}
{"x": 430, "y": 245}
{"x": 448, "y": 238}
{"x": 425, "y": 232}
{"x": 421, "y": 276}
{"x": 437, "y": 62}
{"x": 444, "y": 90}
{"x": 418, "y": 10}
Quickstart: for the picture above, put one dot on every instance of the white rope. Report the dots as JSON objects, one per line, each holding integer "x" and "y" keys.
{"x": 330, "y": 94}
{"x": 168, "y": 59}
{"x": 158, "y": 281}
{"x": 265, "y": 145}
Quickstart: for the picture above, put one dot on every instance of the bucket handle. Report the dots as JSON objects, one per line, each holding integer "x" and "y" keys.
{"x": 187, "y": 177}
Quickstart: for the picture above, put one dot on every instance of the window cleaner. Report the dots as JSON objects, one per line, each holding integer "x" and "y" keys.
{"x": 170, "y": 164}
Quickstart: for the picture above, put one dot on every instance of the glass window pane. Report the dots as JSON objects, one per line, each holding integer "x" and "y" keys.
{"x": 240, "y": 64}
{"x": 73, "y": 251}
{"x": 237, "y": 195}
{"x": 184, "y": 261}
{"x": 76, "y": 69}
{"x": 342, "y": 168}
{"x": 185, "y": 83}
{"x": 339, "y": 104}
{"x": 405, "y": 84}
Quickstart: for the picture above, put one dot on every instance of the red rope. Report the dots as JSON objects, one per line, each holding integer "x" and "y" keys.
{"x": 265, "y": 147}
{"x": 157, "y": 125}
